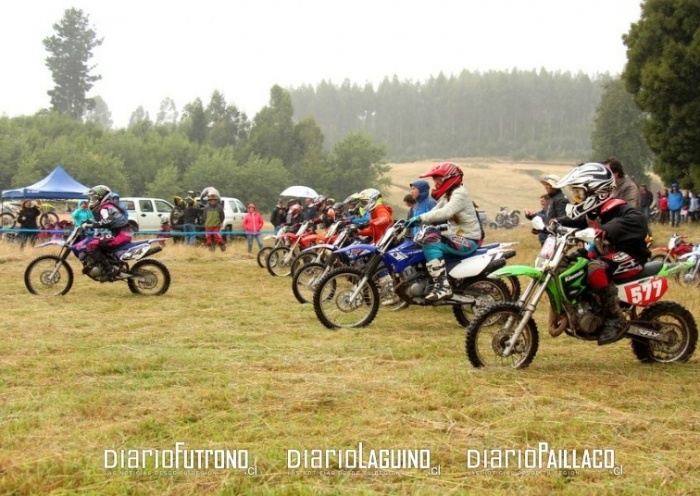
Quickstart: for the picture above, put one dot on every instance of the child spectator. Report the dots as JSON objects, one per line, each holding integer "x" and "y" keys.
{"x": 213, "y": 219}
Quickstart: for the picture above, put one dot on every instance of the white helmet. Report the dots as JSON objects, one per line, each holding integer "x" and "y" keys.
{"x": 370, "y": 198}
{"x": 591, "y": 184}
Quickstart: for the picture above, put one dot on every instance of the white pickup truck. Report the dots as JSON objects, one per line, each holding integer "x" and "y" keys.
{"x": 145, "y": 214}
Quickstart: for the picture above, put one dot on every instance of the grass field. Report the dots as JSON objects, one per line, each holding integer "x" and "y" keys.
{"x": 228, "y": 360}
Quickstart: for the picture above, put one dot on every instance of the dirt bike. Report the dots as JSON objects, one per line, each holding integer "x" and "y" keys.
{"x": 306, "y": 277}
{"x": 279, "y": 261}
{"x": 321, "y": 244}
{"x": 506, "y": 333}
{"x": 676, "y": 247}
{"x": 280, "y": 240}
{"x": 687, "y": 273}
{"x": 505, "y": 218}
{"x": 52, "y": 275}
{"x": 350, "y": 297}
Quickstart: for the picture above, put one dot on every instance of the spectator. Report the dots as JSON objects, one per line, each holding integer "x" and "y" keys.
{"x": 694, "y": 208}
{"x": 556, "y": 203}
{"x": 213, "y": 216}
{"x": 252, "y": 225}
{"x": 82, "y": 214}
{"x": 410, "y": 202}
{"x": 675, "y": 203}
{"x": 28, "y": 219}
{"x": 279, "y": 215}
{"x": 542, "y": 214}
{"x": 663, "y": 207}
{"x": 646, "y": 200}
{"x": 420, "y": 190}
{"x": 309, "y": 211}
{"x": 686, "y": 206}
{"x": 626, "y": 188}
{"x": 190, "y": 218}
{"x": 116, "y": 198}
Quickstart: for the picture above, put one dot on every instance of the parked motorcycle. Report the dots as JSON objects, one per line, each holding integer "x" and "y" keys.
{"x": 350, "y": 297}
{"x": 51, "y": 275}
{"x": 279, "y": 261}
{"x": 676, "y": 247}
{"x": 321, "y": 244}
{"x": 506, "y": 334}
{"x": 687, "y": 274}
{"x": 505, "y": 218}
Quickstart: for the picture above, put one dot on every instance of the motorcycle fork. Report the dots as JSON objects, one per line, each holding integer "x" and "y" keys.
{"x": 528, "y": 309}
{"x": 366, "y": 276}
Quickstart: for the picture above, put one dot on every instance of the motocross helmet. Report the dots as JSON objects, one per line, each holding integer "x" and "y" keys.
{"x": 591, "y": 185}
{"x": 319, "y": 202}
{"x": 352, "y": 202}
{"x": 295, "y": 209}
{"x": 370, "y": 198}
{"x": 98, "y": 195}
{"x": 446, "y": 176}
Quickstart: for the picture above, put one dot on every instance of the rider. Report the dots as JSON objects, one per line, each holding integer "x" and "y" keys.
{"x": 108, "y": 215}
{"x": 621, "y": 229}
{"x": 380, "y": 215}
{"x": 464, "y": 234}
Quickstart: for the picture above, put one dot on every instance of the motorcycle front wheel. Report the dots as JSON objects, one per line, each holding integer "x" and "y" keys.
{"x": 486, "y": 292}
{"x": 677, "y": 324}
{"x": 277, "y": 263}
{"x": 489, "y": 333}
{"x": 48, "y": 275}
{"x": 689, "y": 278}
{"x": 262, "y": 256}
{"x": 334, "y": 304}
{"x": 149, "y": 277}
{"x": 305, "y": 280}
{"x": 303, "y": 259}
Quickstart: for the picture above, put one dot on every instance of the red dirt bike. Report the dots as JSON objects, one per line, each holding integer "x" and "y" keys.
{"x": 279, "y": 261}
{"x": 676, "y": 247}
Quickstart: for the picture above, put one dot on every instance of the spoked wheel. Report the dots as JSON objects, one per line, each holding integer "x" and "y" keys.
{"x": 48, "y": 275}
{"x": 335, "y": 305}
{"x": 689, "y": 278}
{"x": 149, "y": 277}
{"x": 388, "y": 299}
{"x": 262, "y": 256}
{"x": 305, "y": 280}
{"x": 8, "y": 220}
{"x": 486, "y": 292}
{"x": 515, "y": 219}
{"x": 677, "y": 324}
{"x": 48, "y": 218}
{"x": 489, "y": 333}
{"x": 278, "y": 262}
{"x": 303, "y": 259}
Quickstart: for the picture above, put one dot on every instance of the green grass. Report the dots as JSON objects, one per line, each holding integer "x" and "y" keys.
{"x": 228, "y": 359}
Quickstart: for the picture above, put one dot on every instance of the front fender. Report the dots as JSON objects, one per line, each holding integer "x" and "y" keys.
{"x": 323, "y": 246}
{"x": 361, "y": 246}
{"x": 518, "y": 271}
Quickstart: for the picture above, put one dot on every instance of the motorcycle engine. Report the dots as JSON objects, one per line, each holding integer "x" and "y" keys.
{"x": 588, "y": 318}
{"x": 95, "y": 271}
{"x": 414, "y": 283}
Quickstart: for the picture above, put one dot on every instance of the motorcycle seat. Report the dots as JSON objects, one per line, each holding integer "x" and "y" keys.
{"x": 650, "y": 269}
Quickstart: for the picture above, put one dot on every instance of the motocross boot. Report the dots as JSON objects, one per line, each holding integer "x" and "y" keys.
{"x": 441, "y": 286}
{"x": 615, "y": 324}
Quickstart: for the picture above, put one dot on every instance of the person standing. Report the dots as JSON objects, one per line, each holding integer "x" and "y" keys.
{"x": 213, "y": 219}
{"x": 646, "y": 200}
{"x": 252, "y": 225}
{"x": 82, "y": 214}
{"x": 28, "y": 219}
{"x": 556, "y": 204}
{"x": 279, "y": 215}
{"x": 663, "y": 207}
{"x": 626, "y": 188}
{"x": 190, "y": 218}
{"x": 694, "y": 207}
{"x": 675, "y": 203}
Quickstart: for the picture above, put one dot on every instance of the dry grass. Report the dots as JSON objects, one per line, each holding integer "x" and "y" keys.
{"x": 228, "y": 359}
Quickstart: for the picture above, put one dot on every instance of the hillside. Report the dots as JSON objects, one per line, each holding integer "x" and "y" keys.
{"x": 492, "y": 183}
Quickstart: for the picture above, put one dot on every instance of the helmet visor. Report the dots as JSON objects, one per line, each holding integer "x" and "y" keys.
{"x": 578, "y": 194}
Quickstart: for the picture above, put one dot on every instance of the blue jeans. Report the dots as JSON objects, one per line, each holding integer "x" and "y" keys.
{"x": 258, "y": 238}
{"x": 675, "y": 217}
{"x": 189, "y": 228}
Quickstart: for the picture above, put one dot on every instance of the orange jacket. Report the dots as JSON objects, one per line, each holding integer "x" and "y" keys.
{"x": 379, "y": 221}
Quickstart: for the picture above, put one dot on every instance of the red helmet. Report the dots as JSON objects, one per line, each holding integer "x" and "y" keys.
{"x": 451, "y": 176}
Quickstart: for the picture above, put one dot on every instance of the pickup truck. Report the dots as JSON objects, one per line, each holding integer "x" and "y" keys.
{"x": 145, "y": 214}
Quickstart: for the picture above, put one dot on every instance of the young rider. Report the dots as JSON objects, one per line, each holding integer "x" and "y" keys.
{"x": 621, "y": 251}
{"x": 108, "y": 215}
{"x": 464, "y": 234}
{"x": 380, "y": 215}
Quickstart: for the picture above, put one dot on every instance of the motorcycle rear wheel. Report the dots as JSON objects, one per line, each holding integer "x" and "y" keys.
{"x": 7, "y": 220}
{"x": 151, "y": 278}
{"x": 301, "y": 260}
{"x": 305, "y": 280}
{"x": 262, "y": 256}
{"x": 487, "y": 292}
{"x": 332, "y": 305}
{"x": 676, "y": 322}
{"x": 38, "y": 278}
{"x": 489, "y": 332}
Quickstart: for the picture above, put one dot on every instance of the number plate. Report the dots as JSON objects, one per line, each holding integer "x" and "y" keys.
{"x": 646, "y": 291}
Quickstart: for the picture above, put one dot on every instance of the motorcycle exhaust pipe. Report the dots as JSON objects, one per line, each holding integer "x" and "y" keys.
{"x": 505, "y": 254}
{"x": 495, "y": 265}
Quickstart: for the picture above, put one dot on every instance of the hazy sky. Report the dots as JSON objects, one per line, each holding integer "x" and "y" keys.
{"x": 154, "y": 49}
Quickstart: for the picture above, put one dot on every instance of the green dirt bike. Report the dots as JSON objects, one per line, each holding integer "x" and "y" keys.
{"x": 505, "y": 334}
